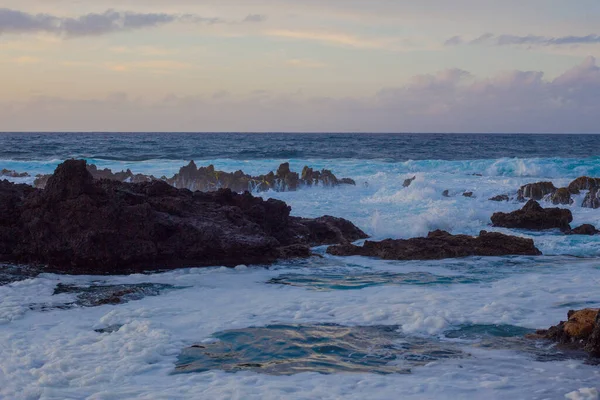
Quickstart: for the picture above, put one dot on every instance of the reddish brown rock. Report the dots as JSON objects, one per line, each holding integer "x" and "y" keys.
{"x": 535, "y": 191}
{"x": 533, "y": 216}
{"x": 561, "y": 196}
{"x": 583, "y": 183}
{"x": 84, "y": 226}
{"x": 580, "y": 331}
{"x": 585, "y": 229}
{"x": 439, "y": 245}
{"x": 592, "y": 199}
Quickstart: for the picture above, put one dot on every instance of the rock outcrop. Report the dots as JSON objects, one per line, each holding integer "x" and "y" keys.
{"x": 208, "y": 178}
{"x": 583, "y": 183}
{"x": 409, "y": 181}
{"x": 80, "y": 225}
{"x": 500, "y": 197}
{"x": 13, "y": 174}
{"x": 581, "y": 331}
{"x": 585, "y": 229}
{"x": 439, "y": 245}
{"x": 561, "y": 196}
{"x": 535, "y": 217}
{"x": 592, "y": 199}
{"x": 535, "y": 191}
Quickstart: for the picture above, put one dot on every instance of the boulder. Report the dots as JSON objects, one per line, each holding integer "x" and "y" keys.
{"x": 80, "y": 225}
{"x": 500, "y": 197}
{"x": 580, "y": 331}
{"x": 439, "y": 245}
{"x": 13, "y": 174}
{"x": 446, "y": 193}
{"x": 585, "y": 229}
{"x": 561, "y": 196}
{"x": 533, "y": 216}
{"x": 583, "y": 183}
{"x": 535, "y": 191}
{"x": 592, "y": 199}
{"x": 407, "y": 182}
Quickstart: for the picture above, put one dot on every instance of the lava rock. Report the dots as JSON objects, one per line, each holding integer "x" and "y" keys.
{"x": 80, "y": 225}
{"x": 592, "y": 199}
{"x": 585, "y": 229}
{"x": 583, "y": 183}
{"x": 535, "y": 191}
{"x": 446, "y": 193}
{"x": 580, "y": 331}
{"x": 561, "y": 196}
{"x": 500, "y": 197}
{"x": 467, "y": 194}
{"x": 533, "y": 216}
{"x": 439, "y": 245}
{"x": 407, "y": 182}
{"x": 13, "y": 174}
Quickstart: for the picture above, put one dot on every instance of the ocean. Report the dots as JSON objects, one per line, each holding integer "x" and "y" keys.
{"x": 326, "y": 327}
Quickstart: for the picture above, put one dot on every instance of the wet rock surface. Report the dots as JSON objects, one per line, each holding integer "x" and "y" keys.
{"x": 592, "y": 199}
{"x": 13, "y": 174}
{"x": 440, "y": 245}
{"x": 585, "y": 229}
{"x": 583, "y": 183}
{"x": 84, "y": 226}
{"x": 501, "y": 197}
{"x": 409, "y": 181}
{"x": 98, "y": 295}
{"x": 535, "y": 191}
{"x": 580, "y": 331}
{"x": 208, "y": 178}
{"x": 535, "y": 217}
{"x": 561, "y": 196}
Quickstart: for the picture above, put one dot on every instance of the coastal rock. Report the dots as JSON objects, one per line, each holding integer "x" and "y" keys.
{"x": 583, "y": 183}
{"x": 206, "y": 179}
{"x": 585, "y": 229}
{"x": 561, "y": 196}
{"x": 535, "y": 191}
{"x": 79, "y": 225}
{"x": 13, "y": 174}
{"x": 407, "y": 182}
{"x": 501, "y": 197}
{"x": 446, "y": 193}
{"x": 580, "y": 331}
{"x": 592, "y": 199}
{"x": 533, "y": 216}
{"x": 467, "y": 194}
{"x": 440, "y": 245}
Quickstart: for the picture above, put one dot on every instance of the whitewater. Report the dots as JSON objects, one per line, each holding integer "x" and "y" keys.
{"x": 449, "y": 329}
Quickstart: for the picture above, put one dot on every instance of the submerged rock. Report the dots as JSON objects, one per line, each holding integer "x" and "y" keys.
{"x": 535, "y": 191}
{"x": 467, "y": 194}
{"x": 592, "y": 199}
{"x": 533, "y": 216}
{"x": 501, "y": 197}
{"x": 84, "y": 226}
{"x": 446, "y": 193}
{"x": 407, "y": 182}
{"x": 583, "y": 183}
{"x": 439, "y": 245}
{"x": 209, "y": 179}
{"x": 561, "y": 196}
{"x": 580, "y": 331}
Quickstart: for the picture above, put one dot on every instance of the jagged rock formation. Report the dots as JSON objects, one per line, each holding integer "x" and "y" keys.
{"x": 581, "y": 331}
{"x": 440, "y": 244}
{"x": 79, "y": 225}
{"x": 583, "y": 183}
{"x": 13, "y": 174}
{"x": 208, "y": 179}
{"x": 535, "y": 191}
{"x": 561, "y": 196}
{"x": 592, "y": 199}
{"x": 533, "y": 216}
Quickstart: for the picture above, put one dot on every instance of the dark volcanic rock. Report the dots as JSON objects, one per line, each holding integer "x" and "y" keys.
{"x": 407, "y": 182}
{"x": 583, "y": 183}
{"x": 533, "y": 216}
{"x": 13, "y": 174}
{"x": 439, "y": 245}
{"x": 585, "y": 229}
{"x": 208, "y": 179}
{"x": 501, "y": 197}
{"x": 446, "y": 193}
{"x": 86, "y": 226}
{"x": 592, "y": 199}
{"x": 535, "y": 191}
{"x": 561, "y": 196}
{"x": 580, "y": 331}
{"x": 467, "y": 194}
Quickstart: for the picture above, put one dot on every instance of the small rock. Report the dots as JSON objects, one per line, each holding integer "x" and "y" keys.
{"x": 500, "y": 197}
{"x": 407, "y": 182}
{"x": 446, "y": 193}
{"x": 585, "y": 229}
{"x": 468, "y": 194}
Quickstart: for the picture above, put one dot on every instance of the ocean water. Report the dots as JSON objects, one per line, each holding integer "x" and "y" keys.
{"x": 322, "y": 328}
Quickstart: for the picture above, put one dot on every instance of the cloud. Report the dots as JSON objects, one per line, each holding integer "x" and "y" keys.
{"x": 451, "y": 100}
{"x": 93, "y": 24}
{"x": 305, "y": 63}
{"x": 255, "y": 18}
{"x": 489, "y": 39}
{"x": 332, "y": 38}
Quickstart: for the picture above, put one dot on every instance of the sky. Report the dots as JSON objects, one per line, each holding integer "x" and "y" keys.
{"x": 300, "y": 65}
